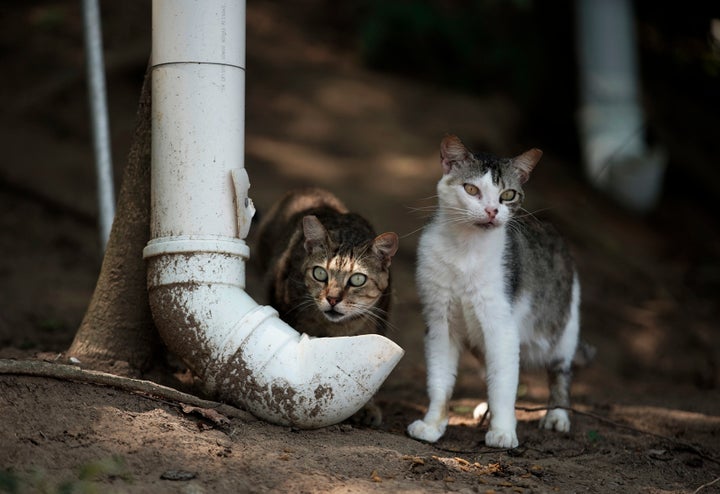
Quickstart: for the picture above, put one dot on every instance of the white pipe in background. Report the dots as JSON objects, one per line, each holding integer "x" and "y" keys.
{"x": 241, "y": 351}
{"x": 612, "y": 123}
{"x": 99, "y": 116}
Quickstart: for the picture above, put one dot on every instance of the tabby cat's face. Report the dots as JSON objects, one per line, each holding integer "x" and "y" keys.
{"x": 346, "y": 285}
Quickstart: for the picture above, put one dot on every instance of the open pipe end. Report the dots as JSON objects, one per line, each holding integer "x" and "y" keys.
{"x": 312, "y": 383}
{"x": 244, "y": 353}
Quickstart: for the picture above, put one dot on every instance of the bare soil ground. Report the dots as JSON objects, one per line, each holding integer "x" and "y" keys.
{"x": 647, "y": 412}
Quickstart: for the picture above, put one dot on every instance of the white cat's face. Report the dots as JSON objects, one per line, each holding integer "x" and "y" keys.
{"x": 480, "y": 200}
{"x": 481, "y": 189}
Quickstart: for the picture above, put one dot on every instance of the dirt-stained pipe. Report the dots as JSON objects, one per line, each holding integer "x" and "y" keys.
{"x": 241, "y": 351}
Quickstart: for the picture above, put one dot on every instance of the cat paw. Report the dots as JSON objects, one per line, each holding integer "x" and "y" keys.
{"x": 556, "y": 419}
{"x": 368, "y": 416}
{"x": 499, "y": 438}
{"x": 423, "y": 431}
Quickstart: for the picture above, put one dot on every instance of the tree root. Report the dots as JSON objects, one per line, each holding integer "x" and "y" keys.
{"x": 150, "y": 389}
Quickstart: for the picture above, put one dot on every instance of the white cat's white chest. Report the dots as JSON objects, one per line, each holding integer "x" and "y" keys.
{"x": 466, "y": 262}
{"x": 465, "y": 274}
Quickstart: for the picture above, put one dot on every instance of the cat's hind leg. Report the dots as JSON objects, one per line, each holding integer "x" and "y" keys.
{"x": 556, "y": 417}
{"x": 560, "y": 370}
{"x": 442, "y": 354}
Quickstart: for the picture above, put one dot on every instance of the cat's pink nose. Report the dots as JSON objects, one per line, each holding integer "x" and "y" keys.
{"x": 332, "y": 301}
{"x": 491, "y": 212}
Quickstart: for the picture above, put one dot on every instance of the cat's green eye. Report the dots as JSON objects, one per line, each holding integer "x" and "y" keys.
{"x": 319, "y": 273}
{"x": 471, "y": 189}
{"x": 508, "y": 195}
{"x": 358, "y": 279}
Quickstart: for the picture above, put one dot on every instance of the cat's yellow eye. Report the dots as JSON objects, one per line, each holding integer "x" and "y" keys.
{"x": 319, "y": 273}
{"x": 508, "y": 195}
{"x": 358, "y": 279}
{"x": 471, "y": 189}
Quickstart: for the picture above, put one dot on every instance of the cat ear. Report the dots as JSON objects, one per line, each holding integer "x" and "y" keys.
{"x": 386, "y": 245}
{"x": 525, "y": 163}
{"x": 452, "y": 150}
{"x": 316, "y": 236}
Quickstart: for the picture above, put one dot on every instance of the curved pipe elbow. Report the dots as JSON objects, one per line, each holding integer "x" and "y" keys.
{"x": 245, "y": 354}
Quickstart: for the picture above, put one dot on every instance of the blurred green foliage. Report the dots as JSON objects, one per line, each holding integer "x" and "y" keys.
{"x": 92, "y": 478}
{"x": 477, "y": 46}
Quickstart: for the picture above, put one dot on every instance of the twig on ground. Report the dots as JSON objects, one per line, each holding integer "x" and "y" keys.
{"x": 706, "y": 485}
{"x": 72, "y": 373}
{"x": 600, "y": 418}
{"x": 619, "y": 425}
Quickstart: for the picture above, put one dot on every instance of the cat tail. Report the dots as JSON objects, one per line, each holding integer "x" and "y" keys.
{"x": 584, "y": 354}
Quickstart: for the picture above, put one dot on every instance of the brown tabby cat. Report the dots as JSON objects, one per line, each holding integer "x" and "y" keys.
{"x": 328, "y": 273}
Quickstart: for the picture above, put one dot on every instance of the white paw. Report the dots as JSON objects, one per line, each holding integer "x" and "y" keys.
{"x": 556, "y": 419}
{"x": 501, "y": 438}
{"x": 480, "y": 410}
{"x": 427, "y": 432}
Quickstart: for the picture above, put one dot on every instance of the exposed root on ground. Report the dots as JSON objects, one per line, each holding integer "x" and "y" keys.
{"x": 39, "y": 368}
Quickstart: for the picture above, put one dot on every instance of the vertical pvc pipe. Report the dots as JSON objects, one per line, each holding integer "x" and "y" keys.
{"x": 241, "y": 351}
{"x": 612, "y": 123}
{"x": 198, "y": 106}
{"x": 99, "y": 117}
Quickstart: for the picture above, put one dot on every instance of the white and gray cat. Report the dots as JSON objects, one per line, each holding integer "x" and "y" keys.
{"x": 494, "y": 279}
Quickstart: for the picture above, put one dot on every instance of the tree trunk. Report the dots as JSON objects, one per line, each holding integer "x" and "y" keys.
{"x": 117, "y": 332}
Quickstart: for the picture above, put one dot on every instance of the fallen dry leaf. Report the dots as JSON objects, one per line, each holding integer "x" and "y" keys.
{"x": 210, "y": 414}
{"x": 415, "y": 460}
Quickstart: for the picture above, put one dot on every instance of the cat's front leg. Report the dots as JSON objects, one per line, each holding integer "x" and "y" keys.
{"x": 442, "y": 354}
{"x": 502, "y": 360}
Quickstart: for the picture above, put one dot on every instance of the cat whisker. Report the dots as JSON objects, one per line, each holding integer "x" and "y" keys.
{"x": 421, "y": 209}
{"x": 435, "y": 208}
{"x": 517, "y": 227}
{"x": 306, "y": 303}
{"x": 450, "y": 215}
{"x": 389, "y": 327}
{"x": 412, "y": 232}
{"x": 532, "y": 213}
{"x": 375, "y": 314}
{"x": 457, "y": 218}
{"x": 427, "y": 198}
{"x": 515, "y": 223}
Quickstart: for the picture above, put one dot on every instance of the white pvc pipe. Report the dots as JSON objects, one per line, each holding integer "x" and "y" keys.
{"x": 99, "y": 116}
{"x": 612, "y": 122}
{"x": 241, "y": 351}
